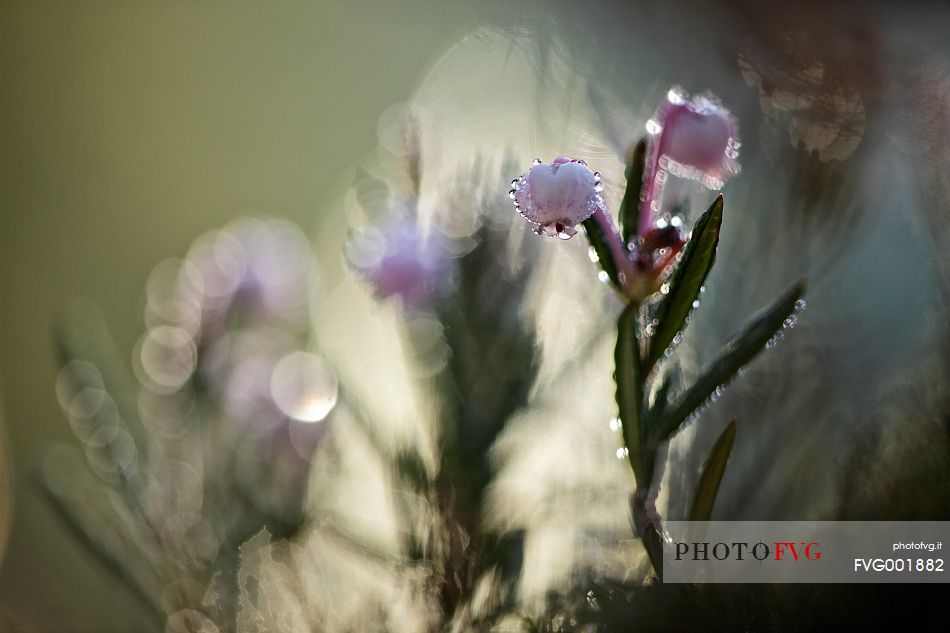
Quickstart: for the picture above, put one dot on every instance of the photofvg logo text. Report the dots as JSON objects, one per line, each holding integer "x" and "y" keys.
{"x": 803, "y": 551}
{"x": 741, "y": 550}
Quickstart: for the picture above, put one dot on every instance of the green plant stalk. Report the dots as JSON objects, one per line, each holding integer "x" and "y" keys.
{"x": 630, "y": 382}
{"x": 645, "y": 430}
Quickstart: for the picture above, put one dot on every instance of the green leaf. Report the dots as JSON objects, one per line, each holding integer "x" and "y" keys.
{"x": 630, "y": 205}
{"x": 653, "y": 544}
{"x": 629, "y": 386}
{"x": 106, "y": 551}
{"x": 661, "y": 398}
{"x": 82, "y": 333}
{"x": 598, "y": 241}
{"x": 734, "y": 355}
{"x": 713, "y": 470}
{"x": 686, "y": 281}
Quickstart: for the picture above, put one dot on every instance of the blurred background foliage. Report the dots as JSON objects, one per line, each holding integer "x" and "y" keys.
{"x": 127, "y": 129}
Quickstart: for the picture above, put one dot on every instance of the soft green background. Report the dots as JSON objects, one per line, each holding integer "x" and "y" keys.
{"x": 126, "y": 129}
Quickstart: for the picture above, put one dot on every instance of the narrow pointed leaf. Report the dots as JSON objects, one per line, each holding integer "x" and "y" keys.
{"x": 686, "y": 281}
{"x": 734, "y": 355}
{"x": 82, "y": 333}
{"x": 117, "y": 563}
{"x": 661, "y": 399}
{"x": 630, "y": 205}
{"x": 713, "y": 470}
{"x": 653, "y": 544}
{"x": 605, "y": 257}
{"x": 629, "y": 386}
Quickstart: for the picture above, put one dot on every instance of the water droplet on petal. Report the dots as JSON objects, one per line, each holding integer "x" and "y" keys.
{"x": 676, "y": 95}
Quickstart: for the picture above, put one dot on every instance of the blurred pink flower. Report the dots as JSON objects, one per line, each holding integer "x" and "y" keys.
{"x": 399, "y": 261}
{"x": 696, "y": 139}
{"x": 256, "y": 271}
{"x": 557, "y": 196}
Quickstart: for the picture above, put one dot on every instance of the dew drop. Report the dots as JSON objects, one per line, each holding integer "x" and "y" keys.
{"x": 592, "y": 599}
{"x": 537, "y": 161}
{"x": 665, "y": 288}
{"x": 676, "y": 95}
{"x": 775, "y": 340}
{"x": 622, "y": 453}
{"x": 649, "y": 329}
{"x": 511, "y": 193}
{"x": 592, "y": 253}
{"x": 653, "y": 127}
{"x": 695, "y": 304}
{"x": 616, "y": 425}
{"x": 732, "y": 148}
{"x": 603, "y": 277}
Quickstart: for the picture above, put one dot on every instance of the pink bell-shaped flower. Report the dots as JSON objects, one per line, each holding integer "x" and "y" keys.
{"x": 695, "y": 139}
{"x": 557, "y": 196}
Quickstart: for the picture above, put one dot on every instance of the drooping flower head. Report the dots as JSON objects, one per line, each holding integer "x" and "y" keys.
{"x": 557, "y": 196}
{"x": 691, "y": 139}
{"x": 695, "y": 139}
